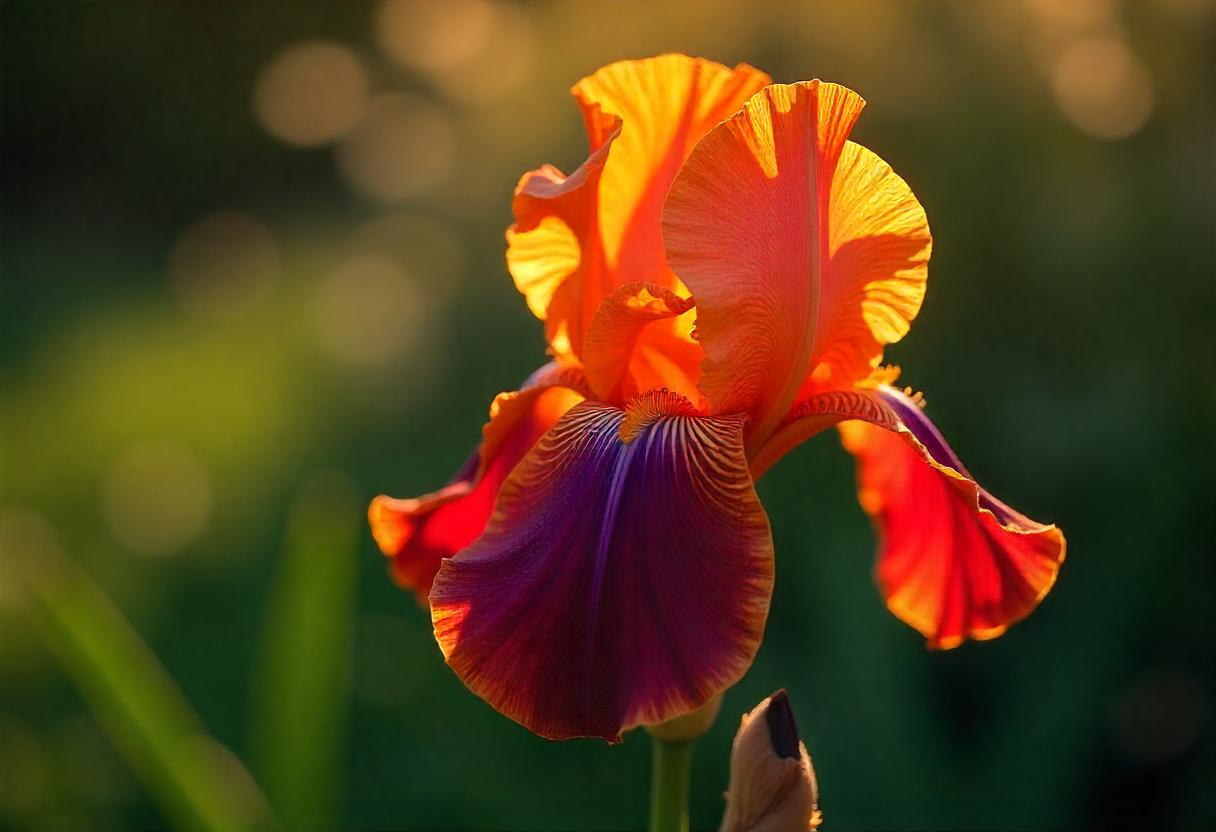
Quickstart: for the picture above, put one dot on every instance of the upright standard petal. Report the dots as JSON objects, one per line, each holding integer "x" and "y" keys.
{"x": 665, "y": 104}
{"x": 804, "y": 251}
{"x": 554, "y": 252}
{"x": 623, "y": 579}
{"x": 878, "y": 247}
{"x": 577, "y": 239}
{"x": 954, "y": 562}
{"x": 418, "y": 533}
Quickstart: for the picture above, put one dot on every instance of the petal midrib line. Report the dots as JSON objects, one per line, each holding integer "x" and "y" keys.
{"x": 616, "y": 491}
{"x": 816, "y": 230}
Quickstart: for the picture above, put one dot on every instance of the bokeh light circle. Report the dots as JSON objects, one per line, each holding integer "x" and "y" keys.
{"x": 311, "y": 93}
{"x": 1102, "y": 87}
{"x": 370, "y": 312}
{"x": 428, "y": 248}
{"x": 429, "y": 35}
{"x": 503, "y": 67}
{"x": 403, "y": 149}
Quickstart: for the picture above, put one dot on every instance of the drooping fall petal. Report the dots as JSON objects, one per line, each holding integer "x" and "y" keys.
{"x": 624, "y": 578}
{"x": 954, "y": 562}
{"x": 577, "y": 239}
{"x": 805, "y": 252}
{"x": 621, "y": 356}
{"x": 418, "y": 533}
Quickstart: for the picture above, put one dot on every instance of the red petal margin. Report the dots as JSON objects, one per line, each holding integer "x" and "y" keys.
{"x": 954, "y": 562}
{"x": 624, "y": 578}
{"x": 418, "y": 533}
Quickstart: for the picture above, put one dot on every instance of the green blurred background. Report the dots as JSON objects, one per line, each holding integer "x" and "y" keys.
{"x": 253, "y": 274}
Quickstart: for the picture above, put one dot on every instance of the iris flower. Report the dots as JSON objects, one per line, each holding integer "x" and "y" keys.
{"x": 717, "y": 283}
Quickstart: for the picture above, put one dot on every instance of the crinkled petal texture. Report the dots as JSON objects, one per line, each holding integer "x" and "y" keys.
{"x": 418, "y": 533}
{"x": 577, "y": 239}
{"x": 554, "y": 250}
{"x": 623, "y": 579}
{"x": 805, "y": 252}
{"x": 622, "y": 355}
{"x": 819, "y": 411}
{"x": 954, "y": 562}
{"x": 666, "y": 105}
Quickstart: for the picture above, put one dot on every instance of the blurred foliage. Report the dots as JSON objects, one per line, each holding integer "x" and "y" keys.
{"x": 304, "y": 670}
{"x": 197, "y": 782}
{"x": 244, "y": 243}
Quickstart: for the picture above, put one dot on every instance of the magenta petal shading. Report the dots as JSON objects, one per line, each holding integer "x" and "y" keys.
{"x": 623, "y": 579}
{"x": 417, "y": 534}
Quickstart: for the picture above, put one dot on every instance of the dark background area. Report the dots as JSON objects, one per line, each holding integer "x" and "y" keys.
{"x": 231, "y": 261}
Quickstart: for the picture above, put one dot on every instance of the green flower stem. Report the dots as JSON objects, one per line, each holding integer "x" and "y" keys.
{"x": 669, "y": 774}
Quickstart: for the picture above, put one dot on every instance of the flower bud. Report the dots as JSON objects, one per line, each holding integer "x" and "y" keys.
{"x": 772, "y": 783}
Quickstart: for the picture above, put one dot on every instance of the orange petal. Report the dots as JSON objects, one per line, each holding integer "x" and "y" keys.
{"x": 417, "y": 534}
{"x": 553, "y": 249}
{"x": 577, "y": 239}
{"x": 817, "y": 413}
{"x": 619, "y": 357}
{"x": 666, "y": 104}
{"x": 879, "y": 246}
{"x": 623, "y": 579}
{"x": 954, "y": 562}
{"x": 805, "y": 253}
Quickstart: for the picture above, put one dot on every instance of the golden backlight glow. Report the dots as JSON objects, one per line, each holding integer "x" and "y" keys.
{"x": 426, "y": 246}
{"x": 806, "y": 255}
{"x": 504, "y": 66}
{"x": 423, "y": 34}
{"x": 1102, "y": 87}
{"x": 369, "y": 312}
{"x": 403, "y": 149}
{"x": 474, "y": 50}
{"x": 311, "y": 93}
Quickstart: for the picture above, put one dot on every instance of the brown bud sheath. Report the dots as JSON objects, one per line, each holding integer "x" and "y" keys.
{"x": 772, "y": 783}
